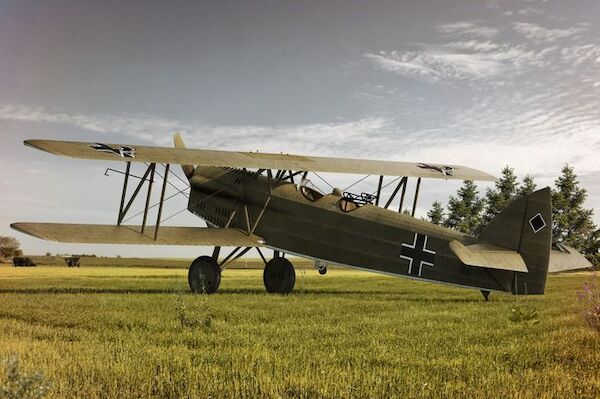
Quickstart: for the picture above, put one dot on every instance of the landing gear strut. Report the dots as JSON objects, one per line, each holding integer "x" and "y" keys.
{"x": 279, "y": 276}
{"x": 204, "y": 275}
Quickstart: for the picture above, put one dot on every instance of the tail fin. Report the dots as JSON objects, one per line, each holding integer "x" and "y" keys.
{"x": 187, "y": 169}
{"x": 525, "y": 226}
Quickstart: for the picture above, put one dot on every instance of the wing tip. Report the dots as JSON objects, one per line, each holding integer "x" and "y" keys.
{"x": 37, "y": 144}
{"x": 20, "y": 227}
{"x": 15, "y": 226}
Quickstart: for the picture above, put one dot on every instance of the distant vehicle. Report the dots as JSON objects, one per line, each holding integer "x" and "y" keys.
{"x": 256, "y": 200}
{"x": 23, "y": 261}
{"x": 73, "y": 261}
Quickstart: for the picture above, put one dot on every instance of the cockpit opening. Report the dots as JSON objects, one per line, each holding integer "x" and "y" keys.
{"x": 310, "y": 191}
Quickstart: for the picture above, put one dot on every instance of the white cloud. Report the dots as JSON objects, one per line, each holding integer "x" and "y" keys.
{"x": 580, "y": 54}
{"x": 344, "y": 135}
{"x": 468, "y": 60}
{"x": 530, "y": 11}
{"x": 539, "y": 34}
{"x": 470, "y": 29}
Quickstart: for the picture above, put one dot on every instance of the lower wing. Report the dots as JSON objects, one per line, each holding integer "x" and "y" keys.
{"x": 110, "y": 234}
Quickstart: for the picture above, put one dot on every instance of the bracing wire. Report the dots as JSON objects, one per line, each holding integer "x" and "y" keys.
{"x": 354, "y": 184}
{"x": 325, "y": 181}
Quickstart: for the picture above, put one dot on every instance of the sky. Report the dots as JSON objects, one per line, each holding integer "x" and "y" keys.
{"x": 478, "y": 83}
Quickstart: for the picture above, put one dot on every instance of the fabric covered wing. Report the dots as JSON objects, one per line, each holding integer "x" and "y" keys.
{"x": 488, "y": 256}
{"x": 254, "y": 160}
{"x": 567, "y": 258}
{"x": 110, "y": 234}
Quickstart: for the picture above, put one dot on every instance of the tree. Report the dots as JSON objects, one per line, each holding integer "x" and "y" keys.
{"x": 592, "y": 248}
{"x": 572, "y": 224}
{"x": 527, "y": 187}
{"x": 501, "y": 195}
{"x": 436, "y": 213}
{"x": 8, "y": 247}
{"x": 464, "y": 209}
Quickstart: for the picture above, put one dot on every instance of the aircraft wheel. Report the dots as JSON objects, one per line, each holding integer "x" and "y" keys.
{"x": 204, "y": 275}
{"x": 279, "y": 276}
{"x": 323, "y": 271}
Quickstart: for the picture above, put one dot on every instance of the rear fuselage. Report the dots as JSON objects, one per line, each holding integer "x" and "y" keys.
{"x": 368, "y": 237}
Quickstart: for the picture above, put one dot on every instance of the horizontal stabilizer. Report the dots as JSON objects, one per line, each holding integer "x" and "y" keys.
{"x": 110, "y": 234}
{"x": 567, "y": 258}
{"x": 488, "y": 256}
{"x": 254, "y": 160}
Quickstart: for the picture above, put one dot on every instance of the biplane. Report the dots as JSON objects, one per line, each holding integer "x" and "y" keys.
{"x": 267, "y": 201}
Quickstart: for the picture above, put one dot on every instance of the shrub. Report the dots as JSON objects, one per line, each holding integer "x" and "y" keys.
{"x": 17, "y": 385}
{"x": 589, "y": 296}
{"x": 523, "y": 314}
{"x": 192, "y": 322}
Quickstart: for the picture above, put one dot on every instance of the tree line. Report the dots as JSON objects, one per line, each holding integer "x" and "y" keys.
{"x": 572, "y": 223}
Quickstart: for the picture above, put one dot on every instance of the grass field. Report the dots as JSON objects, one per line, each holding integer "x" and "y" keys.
{"x": 137, "y": 332}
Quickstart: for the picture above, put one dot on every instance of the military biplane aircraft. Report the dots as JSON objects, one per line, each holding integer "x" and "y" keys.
{"x": 259, "y": 200}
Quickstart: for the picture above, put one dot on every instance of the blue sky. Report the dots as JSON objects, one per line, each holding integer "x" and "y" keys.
{"x": 479, "y": 83}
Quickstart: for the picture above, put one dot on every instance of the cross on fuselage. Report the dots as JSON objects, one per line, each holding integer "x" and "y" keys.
{"x": 417, "y": 254}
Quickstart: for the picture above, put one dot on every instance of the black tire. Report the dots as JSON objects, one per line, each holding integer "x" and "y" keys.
{"x": 279, "y": 276}
{"x": 204, "y": 275}
{"x": 323, "y": 271}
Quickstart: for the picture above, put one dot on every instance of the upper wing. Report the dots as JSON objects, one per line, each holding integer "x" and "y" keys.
{"x": 254, "y": 160}
{"x": 109, "y": 234}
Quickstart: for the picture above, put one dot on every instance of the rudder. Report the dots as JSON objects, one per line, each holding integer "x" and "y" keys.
{"x": 525, "y": 226}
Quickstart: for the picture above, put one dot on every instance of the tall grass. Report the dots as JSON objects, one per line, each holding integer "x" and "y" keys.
{"x": 110, "y": 332}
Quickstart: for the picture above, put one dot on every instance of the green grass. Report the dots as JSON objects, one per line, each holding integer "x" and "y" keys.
{"x": 118, "y": 332}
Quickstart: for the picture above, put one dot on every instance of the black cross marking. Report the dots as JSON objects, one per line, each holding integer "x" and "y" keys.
{"x": 123, "y": 152}
{"x": 417, "y": 254}
{"x": 443, "y": 169}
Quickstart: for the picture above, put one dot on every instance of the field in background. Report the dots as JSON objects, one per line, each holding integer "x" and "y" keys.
{"x": 92, "y": 261}
{"x": 138, "y": 332}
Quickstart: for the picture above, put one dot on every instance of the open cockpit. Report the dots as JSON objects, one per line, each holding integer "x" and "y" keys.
{"x": 348, "y": 201}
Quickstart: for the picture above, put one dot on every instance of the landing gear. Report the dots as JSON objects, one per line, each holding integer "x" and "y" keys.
{"x": 323, "y": 271}
{"x": 204, "y": 275}
{"x": 279, "y": 276}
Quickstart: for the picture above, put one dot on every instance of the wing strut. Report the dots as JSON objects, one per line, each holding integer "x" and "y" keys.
{"x": 401, "y": 184}
{"x": 414, "y": 209}
{"x": 162, "y": 200}
{"x": 148, "y": 176}
{"x": 152, "y": 169}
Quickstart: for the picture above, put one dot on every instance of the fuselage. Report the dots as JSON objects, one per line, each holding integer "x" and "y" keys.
{"x": 368, "y": 237}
